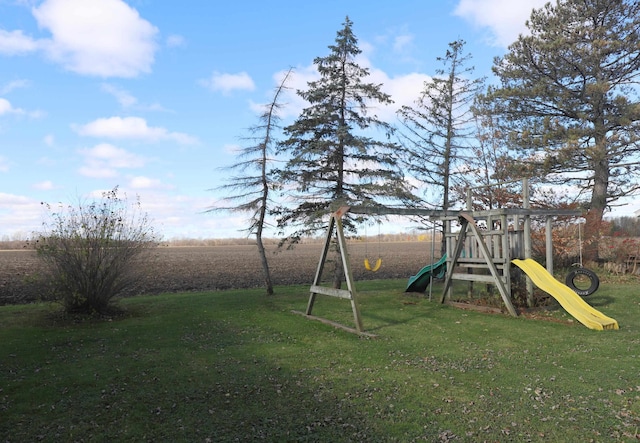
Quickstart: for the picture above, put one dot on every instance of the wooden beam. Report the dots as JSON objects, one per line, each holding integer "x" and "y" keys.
{"x": 336, "y": 325}
{"x": 377, "y": 209}
{"x": 340, "y": 293}
{"x": 473, "y": 277}
{"x": 454, "y": 214}
{"x": 472, "y": 260}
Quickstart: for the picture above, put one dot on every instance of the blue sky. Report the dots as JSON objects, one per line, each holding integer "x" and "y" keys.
{"x": 154, "y": 95}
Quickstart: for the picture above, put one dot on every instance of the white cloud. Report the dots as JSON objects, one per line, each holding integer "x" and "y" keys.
{"x": 105, "y": 38}
{"x": 181, "y": 216}
{"x": 49, "y": 140}
{"x": 401, "y": 42}
{"x": 16, "y": 84}
{"x": 292, "y": 103}
{"x": 226, "y": 83}
{"x": 20, "y": 215}
{"x": 142, "y": 182}
{"x": 396, "y": 42}
{"x": 505, "y": 18}
{"x": 156, "y": 107}
{"x": 403, "y": 89}
{"x": 13, "y": 200}
{"x": 46, "y": 185}
{"x": 125, "y": 99}
{"x": 16, "y": 43}
{"x": 231, "y": 149}
{"x": 103, "y": 161}
{"x": 175, "y": 41}
{"x": 131, "y": 128}
{"x": 7, "y": 108}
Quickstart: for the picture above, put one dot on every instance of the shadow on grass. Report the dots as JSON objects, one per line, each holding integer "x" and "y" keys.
{"x": 388, "y": 321}
{"x": 244, "y": 393}
{"x": 203, "y": 381}
{"x": 258, "y": 401}
{"x": 599, "y": 300}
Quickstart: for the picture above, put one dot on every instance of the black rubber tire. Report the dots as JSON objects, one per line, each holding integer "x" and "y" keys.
{"x": 595, "y": 281}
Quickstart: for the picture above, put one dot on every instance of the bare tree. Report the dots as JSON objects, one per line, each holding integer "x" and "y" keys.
{"x": 490, "y": 170}
{"x": 438, "y": 129}
{"x": 250, "y": 187}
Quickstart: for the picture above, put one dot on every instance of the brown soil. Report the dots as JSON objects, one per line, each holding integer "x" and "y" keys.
{"x": 196, "y": 268}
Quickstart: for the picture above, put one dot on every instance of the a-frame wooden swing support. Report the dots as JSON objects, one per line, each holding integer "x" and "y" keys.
{"x": 468, "y": 224}
{"x": 335, "y": 223}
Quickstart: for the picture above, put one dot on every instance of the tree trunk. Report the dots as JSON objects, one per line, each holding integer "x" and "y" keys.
{"x": 261, "y": 250}
{"x": 265, "y": 265}
{"x": 596, "y": 210}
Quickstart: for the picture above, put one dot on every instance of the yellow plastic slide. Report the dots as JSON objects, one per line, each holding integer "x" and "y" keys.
{"x": 568, "y": 299}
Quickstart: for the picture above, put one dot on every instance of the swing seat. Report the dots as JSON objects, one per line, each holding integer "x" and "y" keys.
{"x": 368, "y": 267}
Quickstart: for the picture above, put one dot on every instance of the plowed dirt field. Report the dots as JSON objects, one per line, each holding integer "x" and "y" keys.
{"x": 207, "y": 268}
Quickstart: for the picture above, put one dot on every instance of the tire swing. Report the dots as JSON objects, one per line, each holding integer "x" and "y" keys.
{"x": 581, "y": 272}
{"x": 367, "y": 264}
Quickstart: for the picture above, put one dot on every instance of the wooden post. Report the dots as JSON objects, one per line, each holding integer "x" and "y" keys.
{"x": 527, "y": 236}
{"x": 449, "y": 247}
{"x": 506, "y": 253}
{"x": 348, "y": 275}
{"x": 323, "y": 259}
{"x": 470, "y": 249}
{"x": 452, "y": 260}
{"x": 516, "y": 245}
{"x": 549, "y": 245}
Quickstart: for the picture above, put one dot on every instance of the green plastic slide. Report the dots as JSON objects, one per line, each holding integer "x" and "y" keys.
{"x": 420, "y": 281}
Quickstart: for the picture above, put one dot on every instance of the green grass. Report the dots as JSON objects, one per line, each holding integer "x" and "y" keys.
{"x": 239, "y": 366}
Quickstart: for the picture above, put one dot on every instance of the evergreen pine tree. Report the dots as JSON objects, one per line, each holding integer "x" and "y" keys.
{"x": 335, "y": 159}
{"x": 569, "y": 99}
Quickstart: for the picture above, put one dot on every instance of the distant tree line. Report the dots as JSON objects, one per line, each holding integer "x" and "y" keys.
{"x": 623, "y": 227}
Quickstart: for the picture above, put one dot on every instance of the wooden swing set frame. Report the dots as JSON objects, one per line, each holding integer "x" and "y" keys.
{"x": 335, "y": 224}
{"x": 493, "y": 249}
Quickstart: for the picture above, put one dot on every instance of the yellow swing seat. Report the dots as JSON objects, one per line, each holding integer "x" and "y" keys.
{"x": 368, "y": 267}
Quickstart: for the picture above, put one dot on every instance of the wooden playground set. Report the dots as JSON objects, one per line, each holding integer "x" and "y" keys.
{"x": 481, "y": 247}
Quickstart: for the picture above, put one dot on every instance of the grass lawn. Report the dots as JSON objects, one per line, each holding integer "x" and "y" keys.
{"x": 239, "y": 366}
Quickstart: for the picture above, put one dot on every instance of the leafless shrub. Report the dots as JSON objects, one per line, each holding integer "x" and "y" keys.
{"x": 91, "y": 251}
